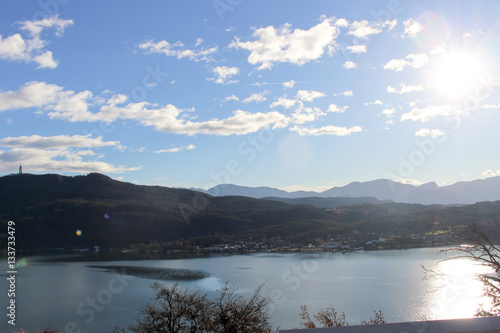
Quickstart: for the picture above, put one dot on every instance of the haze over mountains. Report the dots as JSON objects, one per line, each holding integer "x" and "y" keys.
{"x": 382, "y": 189}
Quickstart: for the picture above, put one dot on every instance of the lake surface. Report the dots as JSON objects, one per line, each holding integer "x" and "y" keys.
{"x": 71, "y": 296}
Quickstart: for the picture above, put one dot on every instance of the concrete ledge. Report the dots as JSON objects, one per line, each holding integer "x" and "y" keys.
{"x": 470, "y": 325}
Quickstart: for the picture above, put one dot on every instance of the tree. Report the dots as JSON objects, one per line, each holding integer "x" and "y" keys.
{"x": 329, "y": 317}
{"x": 190, "y": 311}
{"x": 479, "y": 245}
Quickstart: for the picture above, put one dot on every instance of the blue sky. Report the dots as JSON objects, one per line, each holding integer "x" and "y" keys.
{"x": 288, "y": 94}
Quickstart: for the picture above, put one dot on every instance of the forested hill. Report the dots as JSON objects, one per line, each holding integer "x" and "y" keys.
{"x": 49, "y": 209}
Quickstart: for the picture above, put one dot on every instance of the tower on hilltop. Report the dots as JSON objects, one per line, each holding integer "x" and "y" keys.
{"x": 20, "y": 169}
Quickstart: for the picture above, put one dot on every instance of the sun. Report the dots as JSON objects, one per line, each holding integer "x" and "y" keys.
{"x": 457, "y": 74}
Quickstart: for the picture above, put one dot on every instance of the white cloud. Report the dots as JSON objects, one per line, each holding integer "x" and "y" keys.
{"x": 302, "y": 96}
{"x": 230, "y": 98}
{"x": 303, "y": 115}
{"x": 336, "y": 109}
{"x": 17, "y": 48}
{"x": 45, "y": 60}
{"x": 412, "y": 28}
{"x": 357, "y": 48}
{"x": 258, "y": 84}
{"x": 71, "y": 106}
{"x": 178, "y": 50}
{"x": 60, "y": 153}
{"x": 404, "y": 89}
{"x": 289, "y": 84}
{"x": 32, "y": 94}
{"x": 223, "y": 73}
{"x": 412, "y": 60}
{"x": 199, "y": 41}
{"x": 391, "y": 24}
{"x": 284, "y": 102}
{"x": 433, "y": 133}
{"x": 389, "y": 112}
{"x": 342, "y": 22}
{"x": 257, "y": 97}
{"x": 347, "y": 93}
{"x": 363, "y": 29}
{"x": 349, "y": 65}
{"x": 491, "y": 173}
{"x": 490, "y": 106}
{"x": 272, "y": 45}
{"x": 438, "y": 50}
{"x": 409, "y": 181}
{"x": 309, "y": 95}
{"x": 171, "y": 119}
{"x": 53, "y": 142}
{"x": 326, "y": 130}
{"x": 427, "y": 113}
{"x": 242, "y": 122}
{"x": 36, "y": 27}
{"x": 14, "y": 48}
{"x": 376, "y": 102}
{"x": 176, "y": 149}
{"x": 136, "y": 150}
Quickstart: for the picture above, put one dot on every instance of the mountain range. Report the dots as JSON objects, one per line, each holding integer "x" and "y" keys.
{"x": 60, "y": 212}
{"x": 464, "y": 192}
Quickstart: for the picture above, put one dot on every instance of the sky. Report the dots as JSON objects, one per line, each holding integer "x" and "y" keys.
{"x": 297, "y": 95}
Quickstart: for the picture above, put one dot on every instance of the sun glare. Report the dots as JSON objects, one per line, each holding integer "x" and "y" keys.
{"x": 459, "y": 293}
{"x": 457, "y": 74}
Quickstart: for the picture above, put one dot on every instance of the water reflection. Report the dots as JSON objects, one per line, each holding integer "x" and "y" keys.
{"x": 457, "y": 292}
{"x": 50, "y": 292}
{"x": 210, "y": 284}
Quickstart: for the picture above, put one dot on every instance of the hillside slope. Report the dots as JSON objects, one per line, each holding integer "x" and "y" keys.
{"x": 49, "y": 209}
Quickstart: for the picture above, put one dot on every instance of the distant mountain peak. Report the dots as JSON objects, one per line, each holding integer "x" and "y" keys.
{"x": 464, "y": 192}
{"x": 429, "y": 186}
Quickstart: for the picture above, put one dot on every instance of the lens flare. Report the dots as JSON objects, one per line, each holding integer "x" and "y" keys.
{"x": 23, "y": 262}
{"x": 78, "y": 232}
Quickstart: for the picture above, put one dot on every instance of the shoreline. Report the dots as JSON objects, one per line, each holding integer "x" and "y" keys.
{"x": 117, "y": 255}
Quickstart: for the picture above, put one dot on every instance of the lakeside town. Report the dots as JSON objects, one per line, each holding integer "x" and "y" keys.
{"x": 340, "y": 244}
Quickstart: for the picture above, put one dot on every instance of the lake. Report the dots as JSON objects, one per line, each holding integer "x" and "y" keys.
{"x": 71, "y": 296}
